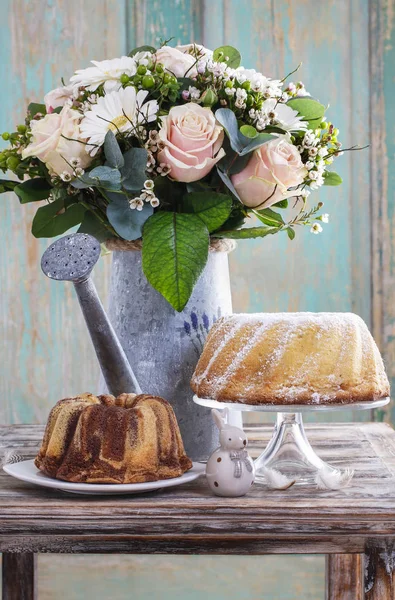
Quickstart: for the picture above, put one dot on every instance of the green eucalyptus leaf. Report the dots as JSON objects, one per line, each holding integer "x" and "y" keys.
{"x": 212, "y": 208}
{"x": 269, "y": 217}
{"x": 234, "y": 56}
{"x": 259, "y": 140}
{"x": 239, "y": 142}
{"x": 33, "y": 190}
{"x": 311, "y": 110}
{"x": 332, "y": 178}
{"x": 106, "y": 177}
{"x": 247, "y": 233}
{"x": 83, "y": 182}
{"x": 112, "y": 151}
{"x": 227, "y": 181}
{"x": 127, "y": 222}
{"x": 142, "y": 49}
{"x": 133, "y": 172}
{"x": 227, "y": 119}
{"x": 94, "y": 226}
{"x": 175, "y": 251}
{"x": 249, "y": 131}
{"x": 54, "y": 219}
{"x": 232, "y": 162}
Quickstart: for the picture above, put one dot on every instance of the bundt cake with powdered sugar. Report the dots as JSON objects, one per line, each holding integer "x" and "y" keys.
{"x": 129, "y": 439}
{"x": 290, "y": 358}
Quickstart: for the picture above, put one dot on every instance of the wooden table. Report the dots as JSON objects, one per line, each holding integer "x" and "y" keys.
{"x": 354, "y": 527}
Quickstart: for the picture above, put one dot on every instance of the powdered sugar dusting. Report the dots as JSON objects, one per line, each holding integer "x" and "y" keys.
{"x": 340, "y": 346}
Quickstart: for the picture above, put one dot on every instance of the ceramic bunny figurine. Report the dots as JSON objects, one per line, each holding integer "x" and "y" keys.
{"x": 230, "y": 470}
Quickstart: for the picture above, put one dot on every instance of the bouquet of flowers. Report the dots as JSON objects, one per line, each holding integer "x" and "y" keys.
{"x": 174, "y": 147}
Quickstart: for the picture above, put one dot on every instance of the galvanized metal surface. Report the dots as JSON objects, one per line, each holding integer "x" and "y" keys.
{"x": 162, "y": 345}
{"x": 72, "y": 258}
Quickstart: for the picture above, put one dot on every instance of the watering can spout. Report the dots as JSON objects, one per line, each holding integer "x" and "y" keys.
{"x": 72, "y": 258}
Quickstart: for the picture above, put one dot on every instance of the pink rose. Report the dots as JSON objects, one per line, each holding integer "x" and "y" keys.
{"x": 272, "y": 169}
{"x": 49, "y": 145}
{"x": 58, "y": 97}
{"x": 192, "y": 142}
{"x": 177, "y": 62}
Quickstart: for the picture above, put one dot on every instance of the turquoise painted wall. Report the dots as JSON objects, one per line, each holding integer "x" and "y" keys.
{"x": 347, "y": 49}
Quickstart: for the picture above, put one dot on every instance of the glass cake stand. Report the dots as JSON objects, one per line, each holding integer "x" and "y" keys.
{"x": 289, "y": 451}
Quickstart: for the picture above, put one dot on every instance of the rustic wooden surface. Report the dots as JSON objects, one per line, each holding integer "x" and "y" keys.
{"x": 19, "y": 576}
{"x": 344, "y": 577}
{"x": 348, "y": 51}
{"x": 189, "y": 520}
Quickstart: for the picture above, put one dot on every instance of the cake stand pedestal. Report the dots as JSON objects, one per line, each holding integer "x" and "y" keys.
{"x": 289, "y": 451}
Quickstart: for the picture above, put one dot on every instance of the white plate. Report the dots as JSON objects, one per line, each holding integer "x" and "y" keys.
{"x": 27, "y": 471}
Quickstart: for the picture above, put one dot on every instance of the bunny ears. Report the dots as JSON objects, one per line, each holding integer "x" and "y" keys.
{"x": 221, "y": 418}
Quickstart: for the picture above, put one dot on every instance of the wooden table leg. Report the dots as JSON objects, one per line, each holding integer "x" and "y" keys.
{"x": 344, "y": 577}
{"x": 380, "y": 570}
{"x": 19, "y": 576}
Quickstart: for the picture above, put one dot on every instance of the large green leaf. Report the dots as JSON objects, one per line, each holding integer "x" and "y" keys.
{"x": 94, "y": 226}
{"x": 233, "y": 56}
{"x": 332, "y": 178}
{"x": 112, "y": 151}
{"x": 33, "y": 190}
{"x": 54, "y": 219}
{"x": 133, "y": 173}
{"x": 175, "y": 251}
{"x": 311, "y": 110}
{"x": 127, "y": 222}
{"x": 211, "y": 207}
{"x": 248, "y": 232}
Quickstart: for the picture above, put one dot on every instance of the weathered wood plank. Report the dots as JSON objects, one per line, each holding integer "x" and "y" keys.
{"x": 151, "y": 21}
{"x": 344, "y": 577}
{"x": 40, "y": 321}
{"x": 382, "y": 84}
{"x": 19, "y": 576}
{"x": 380, "y": 570}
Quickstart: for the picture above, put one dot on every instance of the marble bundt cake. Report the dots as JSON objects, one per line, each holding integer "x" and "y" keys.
{"x": 129, "y": 439}
{"x": 290, "y": 358}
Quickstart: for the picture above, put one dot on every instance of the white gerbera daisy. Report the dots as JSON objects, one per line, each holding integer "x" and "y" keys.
{"x": 118, "y": 111}
{"x": 287, "y": 117}
{"x": 105, "y": 71}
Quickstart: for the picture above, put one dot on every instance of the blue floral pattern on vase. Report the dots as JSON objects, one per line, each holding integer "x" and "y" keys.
{"x": 197, "y": 328}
